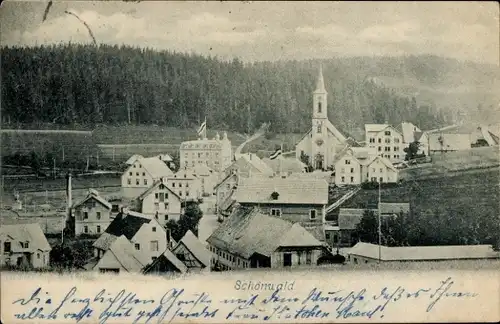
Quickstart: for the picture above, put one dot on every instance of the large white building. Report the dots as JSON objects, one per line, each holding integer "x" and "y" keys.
{"x": 186, "y": 184}
{"x": 360, "y": 164}
{"x": 386, "y": 140}
{"x": 323, "y": 141}
{"x": 161, "y": 203}
{"x": 216, "y": 153}
{"x": 141, "y": 174}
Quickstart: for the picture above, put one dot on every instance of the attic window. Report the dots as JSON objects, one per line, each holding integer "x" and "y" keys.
{"x": 275, "y": 195}
{"x": 154, "y": 229}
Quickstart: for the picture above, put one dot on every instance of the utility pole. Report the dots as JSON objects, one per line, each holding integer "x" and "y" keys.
{"x": 379, "y": 225}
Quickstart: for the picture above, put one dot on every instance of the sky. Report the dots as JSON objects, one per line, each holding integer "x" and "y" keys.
{"x": 265, "y": 31}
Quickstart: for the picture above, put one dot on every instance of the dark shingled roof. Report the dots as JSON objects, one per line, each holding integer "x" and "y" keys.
{"x": 127, "y": 225}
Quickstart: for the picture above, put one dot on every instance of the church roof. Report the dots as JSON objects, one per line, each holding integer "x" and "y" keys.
{"x": 320, "y": 84}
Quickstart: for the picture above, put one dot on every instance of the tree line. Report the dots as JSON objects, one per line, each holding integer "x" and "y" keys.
{"x": 72, "y": 84}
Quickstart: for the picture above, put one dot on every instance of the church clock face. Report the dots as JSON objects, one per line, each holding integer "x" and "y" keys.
{"x": 319, "y": 142}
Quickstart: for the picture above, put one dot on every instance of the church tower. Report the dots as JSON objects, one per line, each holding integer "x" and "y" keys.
{"x": 319, "y": 124}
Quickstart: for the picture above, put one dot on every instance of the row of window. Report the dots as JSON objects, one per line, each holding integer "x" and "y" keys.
{"x": 342, "y": 170}
{"x": 277, "y": 212}
{"x": 165, "y": 217}
{"x": 86, "y": 215}
{"x": 137, "y": 182}
{"x": 388, "y": 156}
{"x": 200, "y": 155}
{"x": 86, "y": 229}
{"x": 386, "y": 140}
{"x": 388, "y": 149}
{"x": 342, "y": 179}
{"x": 137, "y": 174}
{"x": 153, "y": 246}
{"x": 229, "y": 257}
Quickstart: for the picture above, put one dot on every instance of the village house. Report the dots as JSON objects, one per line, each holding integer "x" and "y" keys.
{"x": 283, "y": 166}
{"x": 224, "y": 193}
{"x": 120, "y": 257}
{"x": 145, "y": 233}
{"x": 24, "y": 245}
{"x": 296, "y": 200}
{"x": 160, "y": 202}
{"x": 323, "y": 141}
{"x": 345, "y": 235}
{"x": 92, "y": 214}
{"x": 386, "y": 140}
{"x": 186, "y": 184}
{"x": 208, "y": 179}
{"x": 141, "y": 175}
{"x": 412, "y": 133}
{"x": 359, "y": 164}
{"x": 192, "y": 253}
{"x": 215, "y": 153}
{"x": 369, "y": 253}
{"x": 166, "y": 263}
{"x": 249, "y": 165}
{"x": 251, "y": 239}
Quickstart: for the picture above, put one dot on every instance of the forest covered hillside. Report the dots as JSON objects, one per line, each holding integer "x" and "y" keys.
{"x": 84, "y": 86}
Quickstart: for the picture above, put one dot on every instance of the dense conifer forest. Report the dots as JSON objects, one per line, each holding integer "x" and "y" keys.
{"x": 77, "y": 85}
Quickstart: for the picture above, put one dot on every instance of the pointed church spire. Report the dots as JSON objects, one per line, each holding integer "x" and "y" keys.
{"x": 320, "y": 85}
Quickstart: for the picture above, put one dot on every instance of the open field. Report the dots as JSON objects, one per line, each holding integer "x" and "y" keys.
{"x": 451, "y": 162}
{"x": 473, "y": 192}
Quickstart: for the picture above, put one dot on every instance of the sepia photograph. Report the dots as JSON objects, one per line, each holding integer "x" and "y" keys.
{"x": 249, "y": 161}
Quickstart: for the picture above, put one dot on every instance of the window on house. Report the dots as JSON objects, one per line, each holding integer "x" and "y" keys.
{"x": 352, "y": 170}
{"x": 187, "y": 193}
{"x": 380, "y": 140}
{"x": 98, "y": 229}
{"x": 145, "y": 182}
{"x": 347, "y": 161}
{"x": 180, "y": 193}
{"x": 319, "y": 107}
{"x": 85, "y": 229}
{"x": 356, "y": 260}
{"x": 144, "y": 174}
{"x": 7, "y": 248}
{"x": 130, "y": 173}
{"x": 381, "y": 179}
{"x": 156, "y": 195}
{"x": 396, "y": 148}
{"x": 153, "y": 246}
{"x": 387, "y": 149}
{"x": 387, "y": 140}
{"x": 26, "y": 245}
{"x": 352, "y": 179}
{"x": 308, "y": 257}
{"x": 129, "y": 181}
{"x": 381, "y": 170}
{"x": 187, "y": 185}
{"x": 137, "y": 182}
{"x": 343, "y": 179}
{"x": 380, "y": 148}
{"x": 137, "y": 174}
{"x": 327, "y": 236}
{"x": 134, "y": 165}
{"x": 395, "y": 156}
{"x": 38, "y": 255}
{"x": 137, "y": 246}
{"x": 312, "y": 214}
{"x": 154, "y": 229}
{"x": 157, "y": 206}
{"x": 388, "y": 133}
{"x": 98, "y": 215}
{"x": 180, "y": 185}
{"x": 396, "y": 140}
{"x": 275, "y": 212}
{"x": 173, "y": 184}
{"x": 318, "y": 129}
{"x": 372, "y": 140}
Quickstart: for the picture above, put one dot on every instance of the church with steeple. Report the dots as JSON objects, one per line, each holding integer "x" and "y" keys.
{"x": 323, "y": 141}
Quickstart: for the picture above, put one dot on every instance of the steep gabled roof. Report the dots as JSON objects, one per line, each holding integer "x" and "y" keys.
{"x": 31, "y": 233}
{"x": 169, "y": 257}
{"x": 384, "y": 160}
{"x": 126, "y": 255}
{"x": 155, "y": 167}
{"x": 155, "y": 185}
{"x": 292, "y": 165}
{"x": 197, "y": 249}
{"x": 290, "y": 190}
{"x": 134, "y": 158}
{"x": 225, "y": 179}
{"x": 124, "y": 224}
{"x": 257, "y": 163}
{"x": 94, "y": 195}
{"x": 298, "y": 236}
{"x": 247, "y": 231}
